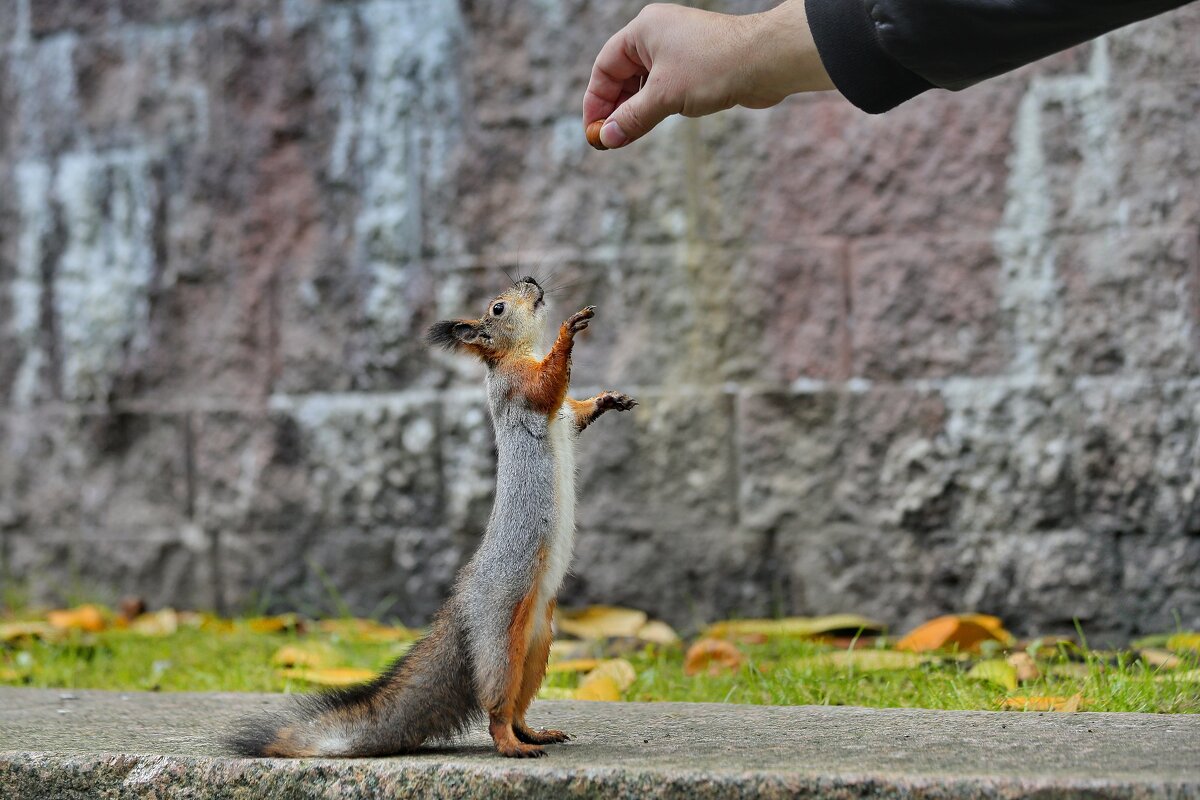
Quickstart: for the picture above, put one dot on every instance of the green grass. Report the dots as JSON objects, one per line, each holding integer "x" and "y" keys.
{"x": 200, "y": 659}
{"x": 188, "y": 660}
{"x": 770, "y": 677}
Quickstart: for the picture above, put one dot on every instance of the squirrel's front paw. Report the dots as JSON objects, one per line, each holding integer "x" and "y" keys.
{"x": 618, "y": 401}
{"x": 579, "y": 320}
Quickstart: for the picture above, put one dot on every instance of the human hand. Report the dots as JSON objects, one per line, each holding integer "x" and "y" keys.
{"x": 676, "y": 60}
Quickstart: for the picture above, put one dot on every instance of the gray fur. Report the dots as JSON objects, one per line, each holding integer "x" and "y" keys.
{"x": 426, "y": 695}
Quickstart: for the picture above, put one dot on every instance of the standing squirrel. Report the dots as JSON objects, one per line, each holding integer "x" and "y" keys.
{"x": 487, "y": 649}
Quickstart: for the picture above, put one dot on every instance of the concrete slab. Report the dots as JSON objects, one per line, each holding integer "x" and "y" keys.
{"x": 126, "y": 744}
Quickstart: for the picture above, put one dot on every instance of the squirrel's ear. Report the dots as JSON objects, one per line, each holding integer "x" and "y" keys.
{"x": 449, "y": 333}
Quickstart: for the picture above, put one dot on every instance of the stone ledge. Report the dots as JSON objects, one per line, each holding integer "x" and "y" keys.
{"x": 85, "y": 744}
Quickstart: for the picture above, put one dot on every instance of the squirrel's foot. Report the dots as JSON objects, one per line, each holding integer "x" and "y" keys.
{"x": 579, "y": 320}
{"x": 542, "y": 736}
{"x": 618, "y": 401}
{"x": 519, "y": 750}
{"x": 510, "y": 743}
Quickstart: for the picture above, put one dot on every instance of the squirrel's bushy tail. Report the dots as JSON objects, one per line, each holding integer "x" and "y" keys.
{"x": 428, "y": 694}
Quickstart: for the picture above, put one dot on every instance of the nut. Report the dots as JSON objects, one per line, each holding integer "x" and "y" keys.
{"x": 593, "y": 134}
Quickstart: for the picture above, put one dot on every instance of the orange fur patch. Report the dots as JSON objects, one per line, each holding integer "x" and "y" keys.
{"x": 535, "y": 665}
{"x": 544, "y": 383}
{"x": 584, "y": 411}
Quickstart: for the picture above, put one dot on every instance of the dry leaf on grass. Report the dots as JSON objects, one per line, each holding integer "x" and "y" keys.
{"x": 573, "y": 665}
{"x": 964, "y": 631}
{"x": 865, "y": 660}
{"x": 601, "y": 622}
{"x": 620, "y": 670}
{"x": 14, "y": 631}
{"x": 81, "y": 618}
{"x": 1026, "y": 667}
{"x": 598, "y": 688}
{"x": 995, "y": 671}
{"x": 1184, "y": 641}
{"x": 1069, "y": 670}
{"x": 1072, "y": 703}
{"x": 338, "y": 676}
{"x": 569, "y": 649}
{"x": 283, "y": 622}
{"x": 1163, "y": 659}
{"x": 311, "y": 655}
{"x": 712, "y": 656}
{"x": 367, "y": 630}
{"x": 793, "y": 627}
{"x": 658, "y": 632}
{"x": 157, "y": 623}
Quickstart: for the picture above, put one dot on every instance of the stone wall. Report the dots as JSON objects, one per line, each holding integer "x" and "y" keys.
{"x": 943, "y": 359}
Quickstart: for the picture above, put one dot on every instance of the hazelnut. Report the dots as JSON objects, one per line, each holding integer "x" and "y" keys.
{"x": 593, "y": 134}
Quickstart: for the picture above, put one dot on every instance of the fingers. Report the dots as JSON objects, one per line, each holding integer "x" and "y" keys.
{"x": 618, "y": 67}
{"x": 615, "y": 92}
{"x": 638, "y": 115}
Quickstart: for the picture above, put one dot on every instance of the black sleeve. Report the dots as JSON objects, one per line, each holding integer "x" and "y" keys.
{"x": 880, "y": 53}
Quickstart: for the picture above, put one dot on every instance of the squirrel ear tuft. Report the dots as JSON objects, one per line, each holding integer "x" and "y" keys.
{"x": 449, "y": 333}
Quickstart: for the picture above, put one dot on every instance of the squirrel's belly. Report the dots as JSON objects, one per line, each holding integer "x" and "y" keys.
{"x": 562, "y": 543}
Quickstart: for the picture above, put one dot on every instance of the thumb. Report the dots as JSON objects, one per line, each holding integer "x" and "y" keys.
{"x": 636, "y": 117}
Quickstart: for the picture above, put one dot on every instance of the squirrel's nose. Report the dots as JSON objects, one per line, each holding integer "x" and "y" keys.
{"x": 530, "y": 280}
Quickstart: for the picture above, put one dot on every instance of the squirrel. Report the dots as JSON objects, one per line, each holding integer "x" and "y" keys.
{"x": 487, "y": 648}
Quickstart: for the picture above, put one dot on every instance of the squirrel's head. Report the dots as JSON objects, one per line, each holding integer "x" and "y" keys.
{"x": 512, "y": 323}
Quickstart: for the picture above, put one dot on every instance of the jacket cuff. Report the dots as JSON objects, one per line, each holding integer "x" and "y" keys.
{"x": 856, "y": 62}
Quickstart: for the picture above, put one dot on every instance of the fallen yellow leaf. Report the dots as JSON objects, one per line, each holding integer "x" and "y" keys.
{"x": 601, "y": 622}
{"x": 620, "y": 670}
{"x": 556, "y": 693}
{"x": 965, "y": 632}
{"x": 570, "y": 650}
{"x": 573, "y": 665}
{"x": 157, "y": 623}
{"x": 81, "y": 618}
{"x": 600, "y": 688}
{"x": 712, "y": 656}
{"x": 865, "y": 660}
{"x": 658, "y": 632}
{"x": 990, "y": 623}
{"x": 309, "y": 654}
{"x": 1184, "y": 641}
{"x": 1070, "y": 669}
{"x": 283, "y": 622}
{"x": 794, "y": 627}
{"x": 337, "y": 676}
{"x": 1025, "y": 666}
{"x": 216, "y": 625}
{"x": 995, "y": 671}
{"x": 12, "y": 631}
{"x": 1072, "y": 703}
{"x": 367, "y": 630}
{"x": 1163, "y": 659}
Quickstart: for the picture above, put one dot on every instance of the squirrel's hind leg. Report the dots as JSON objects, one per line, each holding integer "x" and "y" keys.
{"x": 535, "y": 670}
{"x": 504, "y": 708}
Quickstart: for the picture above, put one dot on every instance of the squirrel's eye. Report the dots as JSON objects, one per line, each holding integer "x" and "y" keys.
{"x": 497, "y": 309}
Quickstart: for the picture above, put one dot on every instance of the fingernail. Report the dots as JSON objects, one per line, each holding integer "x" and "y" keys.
{"x": 612, "y": 136}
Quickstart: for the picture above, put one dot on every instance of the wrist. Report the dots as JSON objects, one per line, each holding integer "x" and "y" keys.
{"x": 786, "y": 60}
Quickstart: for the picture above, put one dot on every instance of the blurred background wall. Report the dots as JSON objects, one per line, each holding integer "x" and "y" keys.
{"x": 943, "y": 359}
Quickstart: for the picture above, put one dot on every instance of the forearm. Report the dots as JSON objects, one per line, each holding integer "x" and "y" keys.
{"x": 880, "y": 53}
